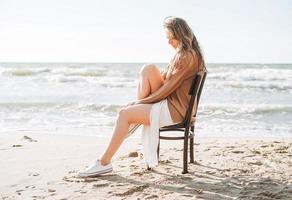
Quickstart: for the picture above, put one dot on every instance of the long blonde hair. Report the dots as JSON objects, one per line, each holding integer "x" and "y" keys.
{"x": 184, "y": 34}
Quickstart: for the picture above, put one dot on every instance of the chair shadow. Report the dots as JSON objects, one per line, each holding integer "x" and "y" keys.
{"x": 203, "y": 185}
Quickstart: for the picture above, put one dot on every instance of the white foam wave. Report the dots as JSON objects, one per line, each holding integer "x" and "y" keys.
{"x": 25, "y": 71}
{"x": 238, "y": 109}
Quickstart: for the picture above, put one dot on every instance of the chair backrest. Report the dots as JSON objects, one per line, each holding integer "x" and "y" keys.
{"x": 195, "y": 92}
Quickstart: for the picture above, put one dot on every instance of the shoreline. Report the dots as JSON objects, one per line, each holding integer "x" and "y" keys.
{"x": 45, "y": 167}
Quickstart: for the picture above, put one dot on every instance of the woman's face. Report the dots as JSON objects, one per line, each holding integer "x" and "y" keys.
{"x": 173, "y": 42}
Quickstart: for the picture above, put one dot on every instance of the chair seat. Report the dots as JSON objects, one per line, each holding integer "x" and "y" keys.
{"x": 178, "y": 125}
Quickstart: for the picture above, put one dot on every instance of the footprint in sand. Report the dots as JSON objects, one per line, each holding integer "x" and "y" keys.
{"x": 19, "y": 191}
{"x": 256, "y": 152}
{"x": 38, "y": 197}
{"x": 132, "y": 190}
{"x": 137, "y": 174}
{"x": 282, "y": 149}
{"x": 230, "y": 147}
{"x": 30, "y": 186}
{"x": 152, "y": 196}
{"x": 268, "y": 194}
{"x": 265, "y": 146}
{"x": 33, "y": 174}
{"x": 178, "y": 150}
{"x": 51, "y": 190}
{"x": 164, "y": 161}
{"x": 210, "y": 172}
{"x": 237, "y": 151}
{"x": 259, "y": 163}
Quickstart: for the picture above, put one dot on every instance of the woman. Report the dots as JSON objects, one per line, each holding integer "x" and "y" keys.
{"x": 162, "y": 96}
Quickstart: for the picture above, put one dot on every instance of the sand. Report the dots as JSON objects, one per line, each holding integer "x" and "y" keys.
{"x": 45, "y": 166}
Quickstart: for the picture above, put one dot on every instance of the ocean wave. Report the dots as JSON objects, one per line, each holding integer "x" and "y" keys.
{"x": 60, "y": 106}
{"x": 118, "y": 85}
{"x": 251, "y": 74}
{"x": 22, "y": 105}
{"x": 25, "y": 71}
{"x": 99, "y": 107}
{"x": 80, "y": 72}
{"x": 232, "y": 110}
{"x": 96, "y": 73}
{"x": 74, "y": 71}
{"x": 263, "y": 86}
{"x": 279, "y": 86}
{"x": 66, "y": 79}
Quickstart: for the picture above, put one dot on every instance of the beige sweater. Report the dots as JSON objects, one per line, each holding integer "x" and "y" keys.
{"x": 178, "y": 76}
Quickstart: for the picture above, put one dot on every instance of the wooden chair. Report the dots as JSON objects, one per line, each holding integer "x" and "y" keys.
{"x": 186, "y": 126}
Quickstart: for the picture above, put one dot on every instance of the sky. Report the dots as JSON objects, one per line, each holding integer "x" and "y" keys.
{"x": 229, "y": 31}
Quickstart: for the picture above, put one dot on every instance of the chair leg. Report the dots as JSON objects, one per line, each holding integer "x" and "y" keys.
{"x": 192, "y": 146}
{"x": 158, "y": 148}
{"x": 185, "y": 157}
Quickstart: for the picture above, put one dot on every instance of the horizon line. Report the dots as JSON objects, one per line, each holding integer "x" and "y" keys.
{"x": 140, "y": 62}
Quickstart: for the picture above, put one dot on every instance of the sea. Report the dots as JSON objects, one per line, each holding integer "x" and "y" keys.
{"x": 238, "y": 100}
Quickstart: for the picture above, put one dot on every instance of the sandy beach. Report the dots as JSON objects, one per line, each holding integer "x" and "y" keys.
{"x": 45, "y": 166}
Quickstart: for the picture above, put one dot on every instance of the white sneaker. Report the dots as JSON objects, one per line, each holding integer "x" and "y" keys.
{"x": 95, "y": 169}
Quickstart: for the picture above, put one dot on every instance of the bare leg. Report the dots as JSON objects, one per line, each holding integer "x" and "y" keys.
{"x": 150, "y": 80}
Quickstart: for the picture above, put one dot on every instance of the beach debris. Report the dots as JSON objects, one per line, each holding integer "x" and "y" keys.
{"x": 17, "y": 145}
{"x": 29, "y": 139}
{"x": 133, "y": 154}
